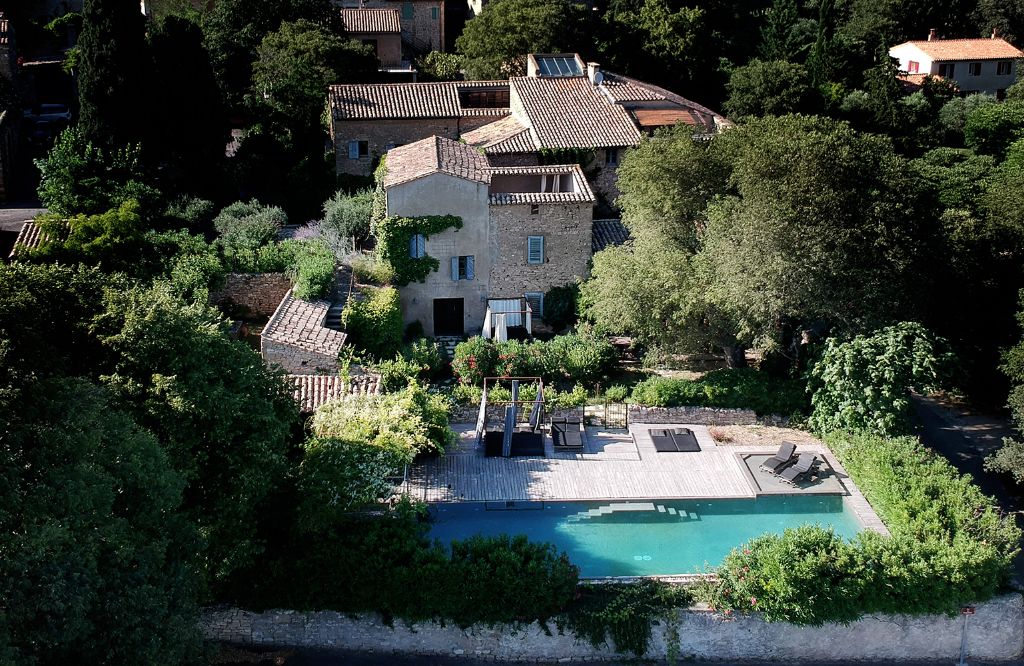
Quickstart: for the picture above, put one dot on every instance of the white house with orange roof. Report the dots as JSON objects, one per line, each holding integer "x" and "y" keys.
{"x": 975, "y": 65}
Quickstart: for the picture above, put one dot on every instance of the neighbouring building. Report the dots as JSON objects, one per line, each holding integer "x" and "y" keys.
{"x": 422, "y": 22}
{"x": 975, "y": 65}
{"x": 297, "y": 340}
{"x": 525, "y": 230}
{"x": 381, "y": 28}
{"x": 563, "y": 110}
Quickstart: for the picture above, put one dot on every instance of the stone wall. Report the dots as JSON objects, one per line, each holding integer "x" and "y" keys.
{"x": 996, "y": 632}
{"x": 295, "y": 360}
{"x": 695, "y": 415}
{"x": 496, "y": 413}
{"x": 566, "y": 229}
{"x": 256, "y": 293}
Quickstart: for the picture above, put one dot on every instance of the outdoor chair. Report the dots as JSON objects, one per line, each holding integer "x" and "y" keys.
{"x": 782, "y": 457}
{"x": 567, "y": 434}
{"x": 685, "y": 440}
{"x": 803, "y": 466}
{"x": 663, "y": 441}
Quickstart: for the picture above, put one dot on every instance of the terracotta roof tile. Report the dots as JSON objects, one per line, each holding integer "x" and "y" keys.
{"x": 300, "y": 324}
{"x": 664, "y": 117}
{"x": 503, "y": 136}
{"x": 569, "y": 112}
{"x": 581, "y": 189}
{"x": 312, "y": 391}
{"x": 435, "y": 154}
{"x": 5, "y": 29}
{"x": 30, "y": 237}
{"x": 371, "y": 101}
{"x": 375, "y": 20}
{"x": 607, "y": 233}
{"x": 968, "y": 49}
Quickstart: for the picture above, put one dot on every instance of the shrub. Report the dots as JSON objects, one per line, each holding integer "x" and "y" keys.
{"x": 346, "y": 220}
{"x": 616, "y": 393}
{"x": 561, "y": 306}
{"x": 577, "y": 397}
{"x": 248, "y": 226}
{"x": 474, "y": 359}
{"x": 397, "y": 373}
{"x": 742, "y": 388}
{"x": 312, "y": 267}
{"x": 950, "y": 545}
{"x": 427, "y": 355}
{"x": 373, "y": 320}
{"x": 189, "y": 211}
{"x": 863, "y": 384}
{"x": 368, "y": 269}
{"x": 519, "y": 359}
{"x": 578, "y": 357}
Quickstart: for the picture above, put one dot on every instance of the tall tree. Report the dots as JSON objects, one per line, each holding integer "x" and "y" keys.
{"x": 762, "y": 88}
{"x": 112, "y": 73}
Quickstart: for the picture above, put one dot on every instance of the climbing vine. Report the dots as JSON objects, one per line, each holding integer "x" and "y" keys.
{"x": 581, "y": 156}
{"x": 393, "y": 236}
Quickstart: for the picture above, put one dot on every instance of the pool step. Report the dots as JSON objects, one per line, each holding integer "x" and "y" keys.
{"x": 620, "y": 507}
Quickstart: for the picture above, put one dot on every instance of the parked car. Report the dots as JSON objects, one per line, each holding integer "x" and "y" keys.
{"x": 48, "y": 112}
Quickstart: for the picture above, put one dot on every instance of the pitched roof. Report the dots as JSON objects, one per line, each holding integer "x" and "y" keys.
{"x": 569, "y": 112}
{"x": 312, "y": 391}
{"x": 435, "y": 154}
{"x": 367, "y": 20}
{"x": 5, "y": 29}
{"x": 503, "y": 136}
{"x": 968, "y": 49}
{"x": 581, "y": 192}
{"x": 607, "y": 233}
{"x": 633, "y": 93}
{"x": 300, "y": 324}
{"x": 31, "y": 236}
{"x": 664, "y": 117}
{"x": 373, "y": 101}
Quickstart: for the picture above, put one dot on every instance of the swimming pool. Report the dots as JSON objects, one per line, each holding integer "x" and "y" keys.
{"x": 644, "y": 538}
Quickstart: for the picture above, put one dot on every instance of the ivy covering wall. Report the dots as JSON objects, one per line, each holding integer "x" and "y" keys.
{"x": 393, "y": 236}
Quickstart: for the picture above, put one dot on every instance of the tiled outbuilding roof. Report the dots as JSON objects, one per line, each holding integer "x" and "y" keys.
{"x": 371, "y": 20}
{"x": 300, "y": 324}
{"x": 650, "y": 118}
{"x": 607, "y": 233}
{"x": 312, "y": 391}
{"x": 378, "y": 101}
{"x": 30, "y": 237}
{"x": 968, "y": 49}
{"x": 435, "y": 154}
{"x": 570, "y": 113}
{"x": 5, "y": 28}
{"x": 503, "y": 136}
{"x": 633, "y": 94}
{"x": 581, "y": 192}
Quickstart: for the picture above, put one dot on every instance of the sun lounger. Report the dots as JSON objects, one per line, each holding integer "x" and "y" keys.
{"x": 782, "y": 457}
{"x": 803, "y": 466}
{"x": 663, "y": 441}
{"x": 685, "y": 440}
{"x": 567, "y": 435}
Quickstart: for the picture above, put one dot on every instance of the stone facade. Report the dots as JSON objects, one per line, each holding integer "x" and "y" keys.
{"x": 422, "y": 22}
{"x": 995, "y": 632}
{"x": 566, "y": 229}
{"x": 382, "y": 135}
{"x": 255, "y": 293}
{"x": 296, "y": 340}
{"x": 694, "y": 415}
{"x": 387, "y": 47}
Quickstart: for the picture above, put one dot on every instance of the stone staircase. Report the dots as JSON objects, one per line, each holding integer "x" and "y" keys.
{"x": 666, "y": 512}
{"x": 339, "y": 296}
{"x": 448, "y": 344}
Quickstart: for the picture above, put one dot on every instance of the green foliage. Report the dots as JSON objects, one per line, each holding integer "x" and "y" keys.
{"x": 189, "y": 211}
{"x": 247, "y": 226}
{"x": 221, "y": 415}
{"x": 369, "y": 269}
{"x": 495, "y": 42}
{"x": 623, "y": 613}
{"x": 474, "y": 359}
{"x": 863, "y": 384}
{"x": 373, "y": 321}
{"x": 957, "y": 177}
{"x": 954, "y": 113}
{"x": 312, "y": 266}
{"x": 763, "y": 88}
{"x": 346, "y": 220}
{"x": 393, "y": 236}
{"x": 571, "y": 358}
{"x": 1008, "y": 459}
{"x": 742, "y": 388}
{"x": 577, "y": 357}
{"x": 438, "y": 66}
{"x": 112, "y": 240}
{"x": 616, "y": 393}
{"x": 77, "y": 176}
{"x": 949, "y": 546}
{"x": 397, "y": 373}
{"x": 192, "y": 266}
{"x": 991, "y": 128}
{"x": 577, "y": 397}
{"x": 561, "y": 305}
{"x": 92, "y": 535}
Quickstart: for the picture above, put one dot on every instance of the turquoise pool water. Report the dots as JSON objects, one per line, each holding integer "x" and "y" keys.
{"x": 658, "y": 537}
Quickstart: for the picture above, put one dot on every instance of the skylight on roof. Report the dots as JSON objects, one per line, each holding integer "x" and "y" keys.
{"x": 558, "y": 66}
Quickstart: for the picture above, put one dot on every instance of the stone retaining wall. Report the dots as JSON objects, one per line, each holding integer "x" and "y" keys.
{"x": 257, "y": 293}
{"x": 695, "y": 415}
{"x": 996, "y": 632}
{"x": 496, "y": 413}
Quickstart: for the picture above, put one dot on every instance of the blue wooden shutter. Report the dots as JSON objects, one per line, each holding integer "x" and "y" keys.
{"x": 421, "y": 245}
{"x": 413, "y": 244}
{"x": 353, "y": 150}
{"x": 455, "y": 268}
{"x": 535, "y": 249}
{"x": 469, "y": 267}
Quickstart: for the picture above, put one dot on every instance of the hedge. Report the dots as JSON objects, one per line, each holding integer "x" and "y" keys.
{"x": 373, "y": 321}
{"x": 565, "y": 359}
{"x": 949, "y": 545}
{"x": 742, "y": 388}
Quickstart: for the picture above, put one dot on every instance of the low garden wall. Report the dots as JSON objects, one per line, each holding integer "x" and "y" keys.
{"x": 995, "y": 632}
{"x": 695, "y": 415}
{"x": 257, "y": 293}
{"x": 496, "y": 413}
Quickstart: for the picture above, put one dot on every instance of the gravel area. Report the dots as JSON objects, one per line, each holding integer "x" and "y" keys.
{"x": 759, "y": 435}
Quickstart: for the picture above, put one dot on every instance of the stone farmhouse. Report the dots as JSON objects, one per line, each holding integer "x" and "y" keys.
{"x": 562, "y": 111}
{"x": 380, "y": 28}
{"x": 422, "y": 21}
{"x": 525, "y": 230}
{"x": 975, "y": 65}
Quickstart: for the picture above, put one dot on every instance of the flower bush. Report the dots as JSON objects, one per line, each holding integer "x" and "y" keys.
{"x": 565, "y": 359}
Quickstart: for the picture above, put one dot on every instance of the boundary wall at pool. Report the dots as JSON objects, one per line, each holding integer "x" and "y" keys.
{"x": 994, "y": 633}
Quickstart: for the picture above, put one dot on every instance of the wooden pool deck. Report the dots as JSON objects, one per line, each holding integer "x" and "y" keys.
{"x": 618, "y": 465}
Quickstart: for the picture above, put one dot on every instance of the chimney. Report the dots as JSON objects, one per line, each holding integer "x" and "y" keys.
{"x": 594, "y": 73}
{"x": 932, "y": 35}
{"x": 995, "y": 33}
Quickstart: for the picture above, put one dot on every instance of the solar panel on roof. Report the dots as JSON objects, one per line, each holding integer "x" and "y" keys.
{"x": 559, "y": 66}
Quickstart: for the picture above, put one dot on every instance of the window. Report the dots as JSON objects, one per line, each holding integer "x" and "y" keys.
{"x": 417, "y": 246}
{"x": 435, "y": 13}
{"x": 913, "y": 67}
{"x": 462, "y": 268}
{"x": 535, "y": 249}
{"x": 974, "y": 68}
{"x": 357, "y": 149}
{"x": 611, "y": 156}
{"x": 407, "y": 10}
{"x": 947, "y": 69}
{"x": 534, "y": 209}
{"x": 536, "y": 301}
{"x": 1003, "y": 67}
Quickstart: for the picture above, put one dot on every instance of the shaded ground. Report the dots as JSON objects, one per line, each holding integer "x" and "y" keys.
{"x": 965, "y": 438}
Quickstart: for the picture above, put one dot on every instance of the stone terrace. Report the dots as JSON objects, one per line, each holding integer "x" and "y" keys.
{"x": 296, "y": 339}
